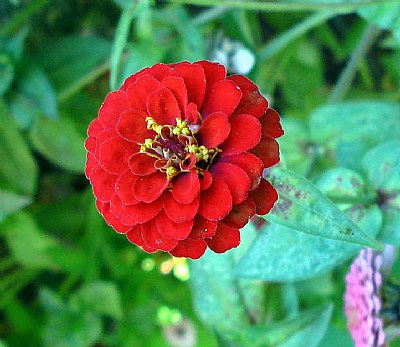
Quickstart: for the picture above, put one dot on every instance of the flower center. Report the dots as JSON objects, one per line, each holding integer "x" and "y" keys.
{"x": 176, "y": 148}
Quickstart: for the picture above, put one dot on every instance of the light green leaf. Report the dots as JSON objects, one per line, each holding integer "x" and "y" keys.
{"x": 357, "y": 126}
{"x": 384, "y": 16}
{"x": 66, "y": 326}
{"x": 382, "y": 164}
{"x": 28, "y": 244}
{"x": 10, "y": 202}
{"x": 99, "y": 297}
{"x": 301, "y": 206}
{"x": 59, "y": 142}
{"x": 219, "y": 297}
{"x": 289, "y": 332}
{"x": 6, "y": 72}
{"x": 18, "y": 170}
{"x": 3, "y": 344}
{"x": 38, "y": 89}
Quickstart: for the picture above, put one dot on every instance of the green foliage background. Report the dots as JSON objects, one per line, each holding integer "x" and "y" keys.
{"x": 332, "y": 70}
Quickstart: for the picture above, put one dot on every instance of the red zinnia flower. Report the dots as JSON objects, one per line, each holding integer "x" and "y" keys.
{"x": 176, "y": 156}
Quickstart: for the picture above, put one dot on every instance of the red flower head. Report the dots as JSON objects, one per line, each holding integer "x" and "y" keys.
{"x": 176, "y": 157}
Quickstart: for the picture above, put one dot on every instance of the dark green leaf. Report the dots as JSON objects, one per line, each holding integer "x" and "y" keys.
{"x": 59, "y": 142}
{"x": 6, "y": 72}
{"x": 301, "y": 206}
{"x": 99, "y": 297}
{"x": 71, "y": 58}
{"x": 18, "y": 170}
{"x": 10, "y": 202}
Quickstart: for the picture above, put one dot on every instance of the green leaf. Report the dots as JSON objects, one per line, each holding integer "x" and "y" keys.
{"x": 3, "y": 344}
{"x": 28, "y": 244}
{"x": 66, "y": 326}
{"x": 37, "y": 88}
{"x": 59, "y": 142}
{"x": 301, "y": 206}
{"x": 70, "y": 58}
{"x": 384, "y": 16}
{"x": 6, "y": 72}
{"x": 18, "y": 170}
{"x": 10, "y": 202}
{"x": 99, "y": 297}
{"x": 333, "y": 335}
{"x": 356, "y": 127}
{"x": 382, "y": 164}
{"x": 219, "y": 298}
{"x": 291, "y": 332}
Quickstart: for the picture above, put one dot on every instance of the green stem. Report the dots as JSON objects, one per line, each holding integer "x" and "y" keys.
{"x": 121, "y": 37}
{"x": 298, "y": 30}
{"x": 21, "y": 17}
{"x": 208, "y": 15}
{"x": 284, "y": 6}
{"x": 355, "y": 200}
{"x": 346, "y": 78}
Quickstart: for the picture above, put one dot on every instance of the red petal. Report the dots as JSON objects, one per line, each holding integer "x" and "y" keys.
{"x": 116, "y": 209}
{"x": 214, "y": 72}
{"x": 163, "y": 107}
{"x": 142, "y": 164}
{"x": 114, "y": 221}
{"x": 154, "y": 239}
{"x": 205, "y": 180}
{"x": 252, "y": 101}
{"x": 193, "y": 249}
{"x": 100, "y": 138}
{"x": 90, "y": 144}
{"x": 114, "y": 154}
{"x": 149, "y": 188}
{"x": 236, "y": 179}
{"x": 267, "y": 150}
{"x": 132, "y": 126}
{"x": 91, "y": 162}
{"x": 224, "y": 96}
{"x": 192, "y": 114}
{"x": 195, "y": 81}
{"x": 216, "y": 201}
{"x": 240, "y": 214}
{"x": 245, "y": 134}
{"x": 252, "y": 165}
{"x": 264, "y": 196}
{"x": 177, "y": 86}
{"x": 186, "y": 188}
{"x": 177, "y": 212}
{"x": 94, "y": 128}
{"x": 225, "y": 238}
{"x": 203, "y": 228}
{"x": 143, "y": 212}
{"x": 124, "y": 187}
{"x": 138, "y": 93}
{"x": 159, "y": 71}
{"x": 103, "y": 183}
{"x": 113, "y": 106}
{"x": 270, "y": 124}
{"x": 214, "y": 130}
{"x": 135, "y": 236}
{"x": 171, "y": 230}
{"x": 133, "y": 78}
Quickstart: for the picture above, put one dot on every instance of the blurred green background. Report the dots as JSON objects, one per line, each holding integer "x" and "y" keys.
{"x": 66, "y": 279}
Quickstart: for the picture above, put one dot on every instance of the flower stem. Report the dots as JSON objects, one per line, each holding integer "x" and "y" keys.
{"x": 346, "y": 78}
{"x": 298, "y": 30}
{"x": 209, "y": 15}
{"x": 355, "y": 200}
{"x": 284, "y": 5}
